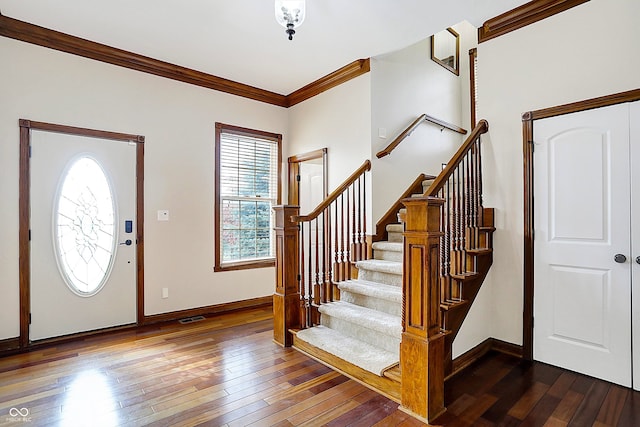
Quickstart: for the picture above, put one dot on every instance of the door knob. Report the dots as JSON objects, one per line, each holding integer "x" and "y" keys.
{"x": 619, "y": 258}
{"x": 128, "y": 243}
{"x": 638, "y": 259}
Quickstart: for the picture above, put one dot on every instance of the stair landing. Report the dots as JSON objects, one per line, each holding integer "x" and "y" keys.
{"x": 388, "y": 386}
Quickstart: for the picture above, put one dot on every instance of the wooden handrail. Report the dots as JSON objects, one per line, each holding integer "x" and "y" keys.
{"x": 392, "y": 214}
{"x": 412, "y": 127}
{"x": 366, "y": 166}
{"x": 441, "y": 179}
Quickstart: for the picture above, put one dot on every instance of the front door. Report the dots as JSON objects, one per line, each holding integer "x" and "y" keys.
{"x": 83, "y": 244}
{"x": 582, "y": 302}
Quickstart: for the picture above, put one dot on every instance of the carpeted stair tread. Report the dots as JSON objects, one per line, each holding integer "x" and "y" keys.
{"x": 395, "y": 228}
{"x": 373, "y": 289}
{"x": 387, "y": 246}
{"x": 380, "y": 265}
{"x": 378, "y": 321}
{"x": 356, "y": 352}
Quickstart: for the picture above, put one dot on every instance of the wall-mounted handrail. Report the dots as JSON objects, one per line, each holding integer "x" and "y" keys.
{"x": 412, "y": 127}
{"x": 366, "y": 166}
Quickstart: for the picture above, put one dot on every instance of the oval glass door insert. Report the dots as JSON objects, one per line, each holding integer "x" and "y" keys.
{"x": 84, "y": 227}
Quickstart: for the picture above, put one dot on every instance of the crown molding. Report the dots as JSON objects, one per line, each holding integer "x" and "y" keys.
{"x": 341, "y": 75}
{"x": 34, "y": 34}
{"x": 30, "y": 33}
{"x": 522, "y": 16}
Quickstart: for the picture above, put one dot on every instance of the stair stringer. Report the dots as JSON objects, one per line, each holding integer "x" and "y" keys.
{"x": 470, "y": 289}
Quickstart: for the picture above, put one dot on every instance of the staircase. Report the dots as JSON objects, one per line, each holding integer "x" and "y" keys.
{"x": 389, "y": 321}
{"x": 364, "y": 328}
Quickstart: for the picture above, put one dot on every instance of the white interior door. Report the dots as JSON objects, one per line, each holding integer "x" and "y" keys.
{"x": 311, "y": 185}
{"x": 582, "y": 302}
{"x": 310, "y": 195}
{"x": 83, "y": 244}
{"x": 634, "y": 138}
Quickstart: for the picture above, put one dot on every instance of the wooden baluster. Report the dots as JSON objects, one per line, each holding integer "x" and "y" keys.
{"x": 343, "y": 239}
{"x": 337, "y": 273}
{"x": 323, "y": 269}
{"x": 468, "y": 188}
{"x": 354, "y": 240}
{"x": 348, "y": 236}
{"x": 454, "y": 224}
{"x": 316, "y": 285}
{"x": 342, "y": 242}
{"x": 328, "y": 275}
{"x": 463, "y": 221}
{"x": 304, "y": 315}
{"x": 460, "y": 219}
{"x": 313, "y": 291}
{"x": 448, "y": 206}
{"x": 480, "y": 203}
{"x": 359, "y": 218}
{"x": 365, "y": 249}
{"x": 473, "y": 183}
{"x": 446, "y": 291}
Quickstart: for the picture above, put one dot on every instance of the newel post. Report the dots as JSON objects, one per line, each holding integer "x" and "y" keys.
{"x": 286, "y": 299}
{"x": 422, "y": 346}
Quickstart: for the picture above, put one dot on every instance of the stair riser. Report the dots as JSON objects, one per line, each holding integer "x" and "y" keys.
{"x": 371, "y": 302}
{"x": 375, "y": 338}
{"x": 380, "y": 277}
{"x": 387, "y": 255}
{"x": 394, "y": 237}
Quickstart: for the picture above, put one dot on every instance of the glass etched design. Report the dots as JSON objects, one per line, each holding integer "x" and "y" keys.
{"x": 85, "y": 227}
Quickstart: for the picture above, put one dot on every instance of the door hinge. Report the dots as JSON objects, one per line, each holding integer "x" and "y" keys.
{"x": 533, "y": 146}
{"x": 30, "y": 150}
{"x": 298, "y": 178}
{"x": 29, "y": 234}
{"x": 298, "y": 277}
{"x": 29, "y": 318}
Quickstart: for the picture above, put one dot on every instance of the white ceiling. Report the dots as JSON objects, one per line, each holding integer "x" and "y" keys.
{"x": 241, "y": 40}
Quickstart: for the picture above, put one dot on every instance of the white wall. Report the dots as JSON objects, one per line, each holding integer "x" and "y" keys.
{"x": 404, "y": 85}
{"x": 338, "y": 119}
{"x": 178, "y": 122}
{"x": 585, "y": 52}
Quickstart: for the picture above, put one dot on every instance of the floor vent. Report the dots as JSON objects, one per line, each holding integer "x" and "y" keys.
{"x": 191, "y": 319}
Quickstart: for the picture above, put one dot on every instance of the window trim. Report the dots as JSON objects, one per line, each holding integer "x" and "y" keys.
{"x": 245, "y": 264}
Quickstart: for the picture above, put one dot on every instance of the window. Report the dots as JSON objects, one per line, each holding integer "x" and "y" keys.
{"x": 247, "y": 181}
{"x": 84, "y": 227}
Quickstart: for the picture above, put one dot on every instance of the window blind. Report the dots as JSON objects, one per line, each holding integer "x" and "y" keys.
{"x": 248, "y": 190}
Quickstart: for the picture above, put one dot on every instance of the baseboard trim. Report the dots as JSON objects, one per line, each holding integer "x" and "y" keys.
{"x": 209, "y": 310}
{"x": 9, "y": 344}
{"x": 490, "y": 344}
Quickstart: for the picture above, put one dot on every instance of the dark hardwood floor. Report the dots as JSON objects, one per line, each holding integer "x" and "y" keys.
{"x": 226, "y": 371}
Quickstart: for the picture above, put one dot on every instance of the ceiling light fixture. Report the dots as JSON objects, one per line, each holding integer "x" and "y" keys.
{"x": 290, "y": 14}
